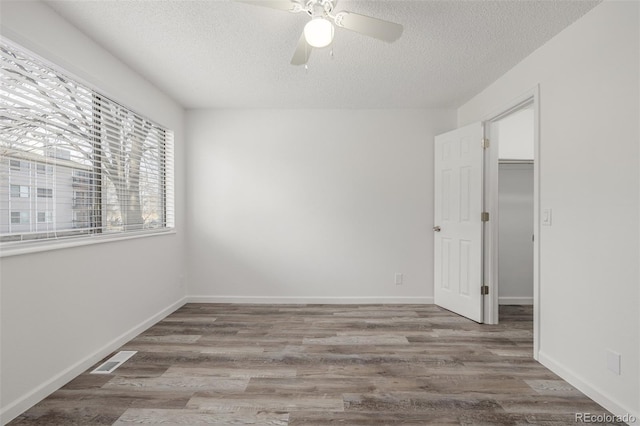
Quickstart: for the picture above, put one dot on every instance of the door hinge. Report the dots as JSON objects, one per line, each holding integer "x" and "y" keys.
{"x": 484, "y": 216}
{"x": 485, "y": 143}
{"x": 484, "y": 290}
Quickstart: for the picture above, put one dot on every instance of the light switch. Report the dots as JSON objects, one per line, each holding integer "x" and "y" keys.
{"x": 613, "y": 361}
{"x": 398, "y": 279}
{"x": 546, "y": 217}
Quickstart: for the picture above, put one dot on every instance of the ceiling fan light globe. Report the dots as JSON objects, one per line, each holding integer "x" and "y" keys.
{"x": 318, "y": 32}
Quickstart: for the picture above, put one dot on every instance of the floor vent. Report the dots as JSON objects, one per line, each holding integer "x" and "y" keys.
{"x": 114, "y": 362}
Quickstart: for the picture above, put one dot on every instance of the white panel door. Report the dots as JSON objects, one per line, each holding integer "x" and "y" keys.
{"x": 458, "y": 222}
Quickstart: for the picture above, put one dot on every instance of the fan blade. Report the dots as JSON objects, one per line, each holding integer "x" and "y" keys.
{"x": 372, "y": 27}
{"x": 287, "y": 5}
{"x": 302, "y": 53}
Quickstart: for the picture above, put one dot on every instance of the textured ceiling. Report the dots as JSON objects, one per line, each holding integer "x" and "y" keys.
{"x": 225, "y": 54}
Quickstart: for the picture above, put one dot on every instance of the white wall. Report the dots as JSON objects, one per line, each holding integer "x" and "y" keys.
{"x": 312, "y": 205}
{"x": 63, "y": 310}
{"x": 515, "y": 133}
{"x": 589, "y": 162}
{"x": 515, "y": 228}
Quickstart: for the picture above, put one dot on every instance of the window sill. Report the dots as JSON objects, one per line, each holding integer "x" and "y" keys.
{"x": 16, "y": 249}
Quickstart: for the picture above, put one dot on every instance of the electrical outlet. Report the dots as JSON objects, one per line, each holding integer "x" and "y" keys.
{"x": 613, "y": 361}
{"x": 398, "y": 278}
{"x": 546, "y": 217}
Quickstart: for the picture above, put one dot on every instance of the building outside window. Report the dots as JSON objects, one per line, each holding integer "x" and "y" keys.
{"x": 41, "y": 211}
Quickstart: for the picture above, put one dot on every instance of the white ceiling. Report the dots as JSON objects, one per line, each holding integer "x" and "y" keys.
{"x": 225, "y": 54}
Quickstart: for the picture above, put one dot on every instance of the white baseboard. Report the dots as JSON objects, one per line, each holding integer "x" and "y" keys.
{"x": 284, "y": 300}
{"x": 515, "y": 300}
{"x": 22, "y": 404}
{"x": 587, "y": 388}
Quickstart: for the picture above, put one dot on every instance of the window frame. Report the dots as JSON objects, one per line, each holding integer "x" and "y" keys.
{"x": 22, "y": 190}
{"x": 42, "y": 169}
{"x": 166, "y": 180}
{"x": 21, "y": 215}
{"x": 43, "y": 192}
{"x": 48, "y": 216}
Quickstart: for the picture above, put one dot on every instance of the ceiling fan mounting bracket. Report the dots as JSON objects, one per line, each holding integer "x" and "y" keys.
{"x": 319, "y": 7}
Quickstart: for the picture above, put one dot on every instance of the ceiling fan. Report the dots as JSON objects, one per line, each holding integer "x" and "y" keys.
{"x": 318, "y": 32}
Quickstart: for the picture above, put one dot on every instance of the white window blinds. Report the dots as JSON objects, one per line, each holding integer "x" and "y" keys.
{"x": 86, "y": 164}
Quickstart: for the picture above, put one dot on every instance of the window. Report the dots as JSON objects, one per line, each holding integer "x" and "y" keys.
{"x": 19, "y": 191}
{"x": 45, "y": 217}
{"x": 20, "y": 218}
{"x": 109, "y": 170}
{"x": 45, "y": 168}
{"x": 45, "y": 193}
{"x": 81, "y": 199}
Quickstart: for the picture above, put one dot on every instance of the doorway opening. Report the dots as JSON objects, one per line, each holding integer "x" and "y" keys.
{"x": 511, "y": 243}
{"x": 515, "y": 207}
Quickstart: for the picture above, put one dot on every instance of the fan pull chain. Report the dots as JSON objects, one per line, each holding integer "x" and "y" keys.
{"x": 331, "y": 53}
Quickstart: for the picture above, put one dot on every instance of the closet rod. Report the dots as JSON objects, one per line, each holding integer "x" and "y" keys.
{"x": 512, "y": 161}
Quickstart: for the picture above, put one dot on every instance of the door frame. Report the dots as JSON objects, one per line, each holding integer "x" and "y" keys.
{"x": 490, "y": 262}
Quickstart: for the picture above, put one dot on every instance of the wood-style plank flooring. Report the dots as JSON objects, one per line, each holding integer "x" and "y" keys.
{"x": 308, "y": 365}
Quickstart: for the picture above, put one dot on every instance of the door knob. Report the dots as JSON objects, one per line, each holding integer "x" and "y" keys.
{"x": 436, "y": 228}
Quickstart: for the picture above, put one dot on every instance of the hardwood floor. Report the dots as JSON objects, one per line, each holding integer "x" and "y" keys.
{"x": 322, "y": 365}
